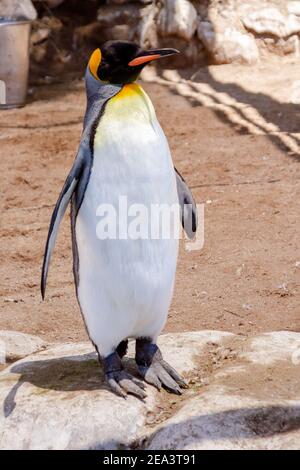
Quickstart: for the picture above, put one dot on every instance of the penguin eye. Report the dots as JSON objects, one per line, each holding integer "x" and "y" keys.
{"x": 94, "y": 62}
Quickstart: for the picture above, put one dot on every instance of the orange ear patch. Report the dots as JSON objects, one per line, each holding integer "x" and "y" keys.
{"x": 94, "y": 62}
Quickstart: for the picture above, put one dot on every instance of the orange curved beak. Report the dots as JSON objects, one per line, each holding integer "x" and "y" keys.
{"x": 148, "y": 56}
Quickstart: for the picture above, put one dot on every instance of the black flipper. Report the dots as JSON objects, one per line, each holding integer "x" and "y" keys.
{"x": 188, "y": 206}
{"x": 78, "y": 177}
{"x": 57, "y": 215}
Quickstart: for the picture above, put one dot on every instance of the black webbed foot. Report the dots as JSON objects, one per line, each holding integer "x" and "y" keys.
{"x": 120, "y": 381}
{"x": 155, "y": 370}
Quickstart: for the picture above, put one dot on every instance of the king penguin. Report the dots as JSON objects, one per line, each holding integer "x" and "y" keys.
{"x": 124, "y": 286}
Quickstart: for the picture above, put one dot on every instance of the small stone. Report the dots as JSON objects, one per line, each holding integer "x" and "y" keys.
{"x": 247, "y": 307}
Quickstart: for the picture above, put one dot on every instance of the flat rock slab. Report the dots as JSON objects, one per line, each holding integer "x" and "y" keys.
{"x": 15, "y": 345}
{"x": 238, "y": 397}
{"x": 57, "y": 400}
{"x": 252, "y": 400}
{"x": 218, "y": 420}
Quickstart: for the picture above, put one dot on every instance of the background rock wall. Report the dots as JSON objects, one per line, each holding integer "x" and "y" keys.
{"x": 205, "y": 31}
{"x": 219, "y": 31}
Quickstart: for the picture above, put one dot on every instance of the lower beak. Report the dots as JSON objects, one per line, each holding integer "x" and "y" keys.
{"x": 148, "y": 56}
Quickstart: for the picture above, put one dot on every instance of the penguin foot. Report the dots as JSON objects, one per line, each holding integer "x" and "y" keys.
{"x": 120, "y": 381}
{"x": 155, "y": 370}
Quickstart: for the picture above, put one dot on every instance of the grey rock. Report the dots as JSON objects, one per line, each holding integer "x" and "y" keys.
{"x": 252, "y": 400}
{"x": 269, "y": 348}
{"x": 229, "y": 45}
{"x": 110, "y": 15}
{"x": 294, "y": 7}
{"x": 177, "y": 18}
{"x": 271, "y": 21}
{"x": 244, "y": 394}
{"x": 21, "y": 9}
{"x": 147, "y": 31}
{"x": 15, "y": 345}
{"x": 121, "y": 21}
{"x": 216, "y": 420}
{"x": 56, "y": 399}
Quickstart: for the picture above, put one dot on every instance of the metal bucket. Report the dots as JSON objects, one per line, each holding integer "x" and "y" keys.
{"x": 14, "y": 62}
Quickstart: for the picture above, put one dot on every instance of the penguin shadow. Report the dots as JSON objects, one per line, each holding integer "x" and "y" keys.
{"x": 64, "y": 374}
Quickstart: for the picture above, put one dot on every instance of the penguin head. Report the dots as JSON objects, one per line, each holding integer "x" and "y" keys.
{"x": 121, "y": 62}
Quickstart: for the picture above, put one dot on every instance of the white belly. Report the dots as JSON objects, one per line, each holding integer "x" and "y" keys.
{"x": 125, "y": 286}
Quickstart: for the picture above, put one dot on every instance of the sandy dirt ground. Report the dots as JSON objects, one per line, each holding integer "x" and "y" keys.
{"x": 233, "y": 135}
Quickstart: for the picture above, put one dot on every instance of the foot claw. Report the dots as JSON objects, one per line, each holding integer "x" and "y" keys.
{"x": 123, "y": 383}
{"x": 139, "y": 383}
{"x": 130, "y": 386}
{"x": 115, "y": 386}
{"x": 150, "y": 376}
{"x": 120, "y": 381}
{"x": 167, "y": 380}
{"x": 174, "y": 374}
{"x": 155, "y": 370}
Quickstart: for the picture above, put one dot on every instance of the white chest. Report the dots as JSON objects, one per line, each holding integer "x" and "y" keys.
{"x": 132, "y": 280}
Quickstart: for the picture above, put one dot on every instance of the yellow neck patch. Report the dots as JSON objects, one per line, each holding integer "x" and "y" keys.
{"x": 94, "y": 62}
{"x": 129, "y": 111}
{"x": 130, "y": 103}
{"x": 130, "y": 90}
